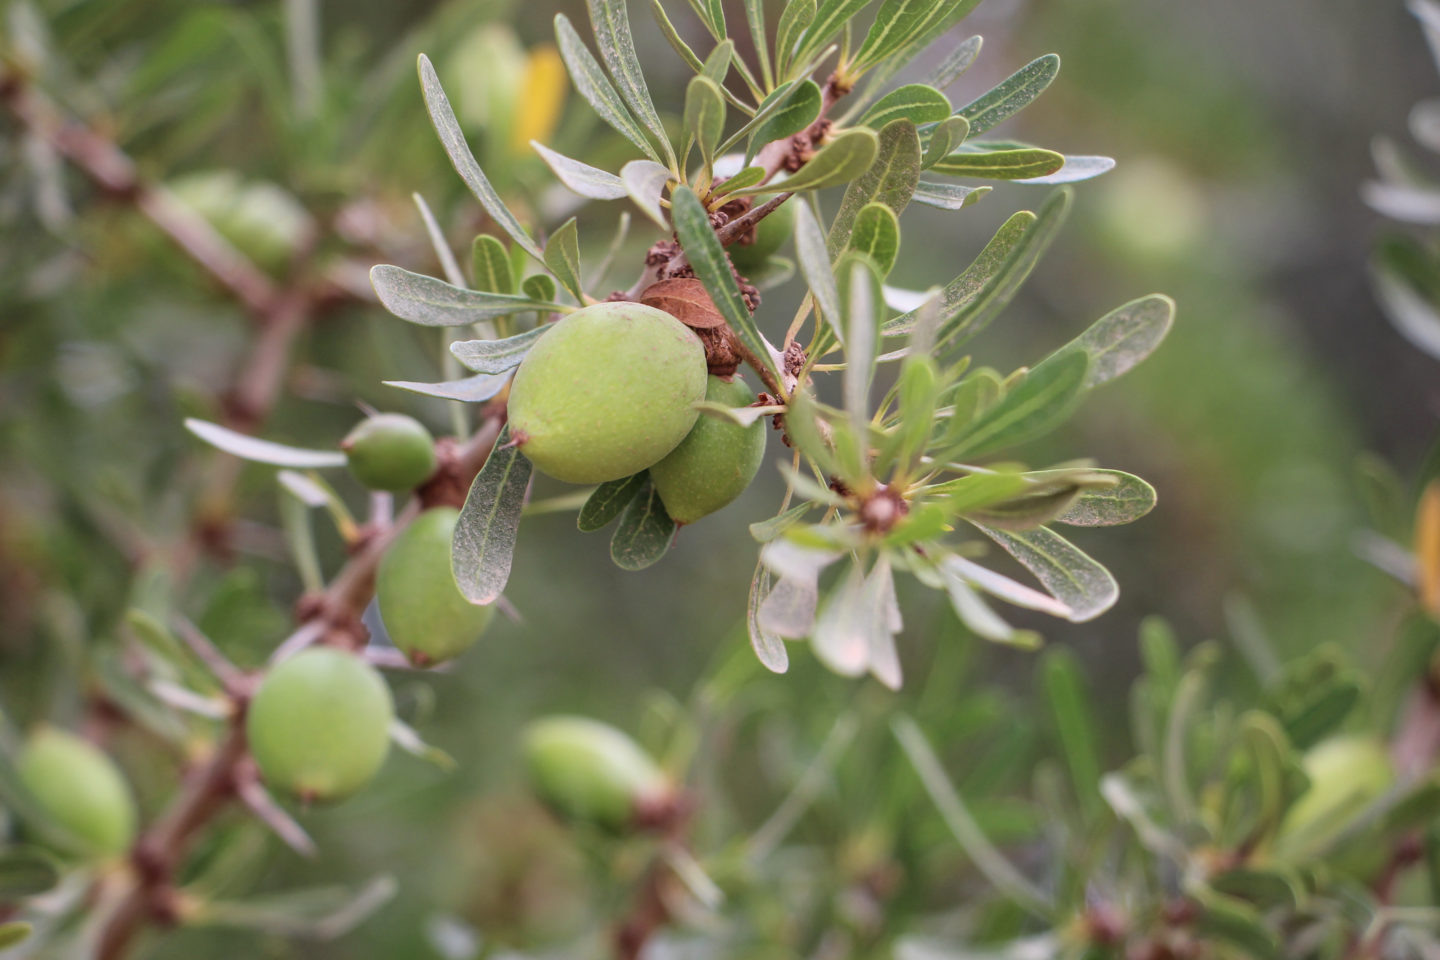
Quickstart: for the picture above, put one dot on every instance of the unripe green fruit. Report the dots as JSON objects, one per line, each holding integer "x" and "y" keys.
{"x": 715, "y": 462}
{"x": 1346, "y": 775}
{"x": 607, "y": 392}
{"x": 770, "y": 235}
{"x": 81, "y": 789}
{"x": 390, "y": 451}
{"x": 262, "y": 220}
{"x": 591, "y": 771}
{"x": 319, "y": 726}
{"x": 424, "y": 611}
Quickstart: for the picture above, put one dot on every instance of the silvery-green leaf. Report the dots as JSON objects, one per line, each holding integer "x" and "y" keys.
{"x": 1043, "y": 400}
{"x": 496, "y": 356}
{"x": 1122, "y": 338}
{"x": 1407, "y": 203}
{"x": 955, "y": 63}
{"x": 562, "y": 257}
{"x": 945, "y": 138}
{"x": 967, "y": 287}
{"x": 789, "y": 608}
{"x": 914, "y": 102}
{"x": 1002, "y": 587}
{"x": 717, "y": 66}
{"x": 254, "y": 449}
{"x": 443, "y": 253}
{"x": 830, "y": 18}
{"x": 1004, "y": 163}
{"x": 490, "y": 266}
{"x": 841, "y": 637}
{"x": 1076, "y": 169}
{"x": 814, "y": 262}
{"x": 434, "y": 303}
{"x": 884, "y": 657}
{"x": 1406, "y": 283}
{"x": 861, "y": 335}
{"x": 975, "y": 613}
{"x": 672, "y": 36}
{"x": 611, "y": 23}
{"x": 895, "y": 25}
{"x": 704, "y": 119}
{"x": 707, "y": 257}
{"x": 794, "y": 21}
{"x": 775, "y": 272}
{"x": 891, "y": 180}
{"x": 452, "y": 138}
{"x": 786, "y": 558}
{"x": 740, "y": 416}
{"x": 790, "y": 111}
{"x": 539, "y": 287}
{"x": 877, "y": 235}
{"x": 1129, "y": 499}
{"x": 645, "y": 181}
{"x": 1070, "y": 575}
{"x": 592, "y": 84}
{"x": 1012, "y": 94}
{"x": 766, "y": 530}
{"x": 476, "y": 389}
{"x": 484, "y": 541}
{"x": 645, "y": 530}
{"x": 580, "y": 177}
{"x": 848, "y": 155}
{"x": 948, "y": 196}
{"x": 607, "y": 501}
{"x": 26, "y": 872}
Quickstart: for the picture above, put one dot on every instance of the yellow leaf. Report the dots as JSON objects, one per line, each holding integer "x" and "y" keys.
{"x": 542, "y": 97}
{"x": 1427, "y": 549}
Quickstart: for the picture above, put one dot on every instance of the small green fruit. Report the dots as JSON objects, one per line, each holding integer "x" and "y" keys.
{"x": 81, "y": 789}
{"x": 591, "y": 771}
{"x": 262, "y": 220}
{"x": 425, "y": 613}
{"x": 607, "y": 392}
{"x": 770, "y": 235}
{"x": 319, "y": 726}
{"x": 715, "y": 462}
{"x": 390, "y": 451}
{"x": 1346, "y": 775}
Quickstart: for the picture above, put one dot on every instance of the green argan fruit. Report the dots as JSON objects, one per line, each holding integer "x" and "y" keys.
{"x": 607, "y": 392}
{"x": 1346, "y": 775}
{"x": 390, "y": 451}
{"x": 319, "y": 726}
{"x": 715, "y": 462}
{"x": 591, "y": 771}
{"x": 770, "y": 235}
{"x": 81, "y": 789}
{"x": 262, "y": 220}
{"x": 425, "y": 613}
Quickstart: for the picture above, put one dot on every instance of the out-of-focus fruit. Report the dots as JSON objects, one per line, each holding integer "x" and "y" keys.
{"x": 770, "y": 235}
{"x": 591, "y": 771}
{"x": 81, "y": 790}
{"x": 390, "y": 451}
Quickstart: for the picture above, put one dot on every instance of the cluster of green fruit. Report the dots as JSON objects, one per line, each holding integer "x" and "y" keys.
{"x": 611, "y": 390}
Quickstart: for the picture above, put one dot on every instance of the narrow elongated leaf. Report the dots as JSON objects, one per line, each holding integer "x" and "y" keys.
{"x": 607, "y": 501}
{"x": 704, "y": 116}
{"x": 831, "y": 16}
{"x": 1074, "y": 725}
{"x": 877, "y": 235}
{"x": 914, "y": 102}
{"x": 860, "y": 338}
{"x": 1002, "y": 587}
{"x": 1017, "y": 163}
{"x": 1128, "y": 500}
{"x": 592, "y": 84}
{"x": 1076, "y": 168}
{"x": 611, "y": 23}
{"x": 1070, "y": 575}
{"x": 895, "y": 25}
{"x": 254, "y": 449}
{"x": 815, "y": 268}
{"x": 948, "y": 196}
{"x": 539, "y": 287}
{"x": 891, "y": 180}
{"x": 794, "y": 21}
{"x": 966, "y": 288}
{"x": 490, "y": 268}
{"x": 15, "y": 932}
{"x": 955, "y": 63}
{"x": 1012, "y": 94}
{"x": 975, "y": 613}
{"x": 484, "y": 543}
{"x": 452, "y": 138}
{"x": 798, "y": 109}
{"x": 582, "y": 178}
{"x": 645, "y": 530}
{"x": 672, "y": 36}
{"x": 841, "y": 160}
{"x": 476, "y": 389}
{"x": 769, "y": 648}
{"x": 945, "y": 139}
{"x": 26, "y": 872}
{"x": 1040, "y": 403}
{"x": 1408, "y": 285}
{"x": 1121, "y": 339}
{"x": 562, "y": 257}
{"x": 717, "y": 65}
{"x": 434, "y": 303}
{"x": 645, "y": 181}
{"x": 707, "y": 257}
{"x": 496, "y": 356}
{"x": 841, "y": 638}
